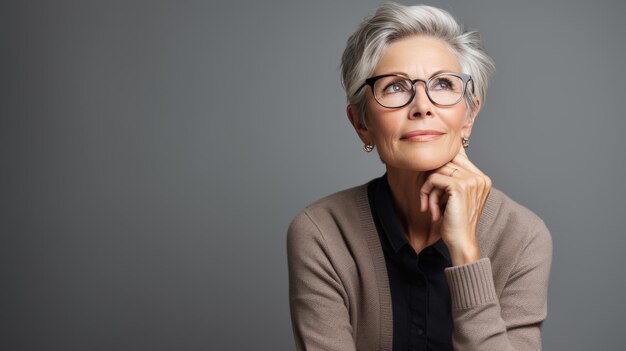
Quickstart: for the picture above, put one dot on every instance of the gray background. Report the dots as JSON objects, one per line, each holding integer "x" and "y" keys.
{"x": 153, "y": 154}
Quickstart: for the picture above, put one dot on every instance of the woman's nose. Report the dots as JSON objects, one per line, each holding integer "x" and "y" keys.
{"x": 421, "y": 106}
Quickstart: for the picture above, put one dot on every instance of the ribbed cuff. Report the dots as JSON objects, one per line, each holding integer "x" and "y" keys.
{"x": 471, "y": 284}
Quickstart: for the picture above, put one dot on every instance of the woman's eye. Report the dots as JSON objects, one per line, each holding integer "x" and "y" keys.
{"x": 442, "y": 84}
{"x": 397, "y": 87}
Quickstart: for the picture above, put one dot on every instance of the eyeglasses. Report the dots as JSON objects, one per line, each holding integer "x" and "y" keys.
{"x": 395, "y": 91}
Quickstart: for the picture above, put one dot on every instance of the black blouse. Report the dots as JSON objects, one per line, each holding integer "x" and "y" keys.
{"x": 422, "y": 317}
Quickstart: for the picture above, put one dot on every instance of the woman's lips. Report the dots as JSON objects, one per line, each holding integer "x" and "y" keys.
{"x": 422, "y": 135}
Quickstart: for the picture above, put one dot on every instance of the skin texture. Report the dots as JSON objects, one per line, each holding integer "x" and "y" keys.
{"x": 438, "y": 192}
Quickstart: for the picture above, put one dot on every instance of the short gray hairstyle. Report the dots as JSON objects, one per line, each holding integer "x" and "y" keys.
{"x": 392, "y": 22}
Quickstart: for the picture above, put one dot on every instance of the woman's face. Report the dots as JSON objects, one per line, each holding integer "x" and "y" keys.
{"x": 395, "y": 132}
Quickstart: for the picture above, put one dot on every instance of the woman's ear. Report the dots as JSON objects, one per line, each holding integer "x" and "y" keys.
{"x": 361, "y": 129}
{"x": 469, "y": 123}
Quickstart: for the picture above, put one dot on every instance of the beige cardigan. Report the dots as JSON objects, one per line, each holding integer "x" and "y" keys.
{"x": 339, "y": 291}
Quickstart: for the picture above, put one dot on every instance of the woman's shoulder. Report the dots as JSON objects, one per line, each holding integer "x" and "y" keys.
{"x": 335, "y": 215}
{"x": 339, "y": 200}
{"x": 501, "y": 209}
{"x": 338, "y": 228}
{"x": 507, "y": 223}
{"x": 345, "y": 203}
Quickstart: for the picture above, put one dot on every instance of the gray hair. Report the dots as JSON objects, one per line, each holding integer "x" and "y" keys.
{"x": 392, "y": 22}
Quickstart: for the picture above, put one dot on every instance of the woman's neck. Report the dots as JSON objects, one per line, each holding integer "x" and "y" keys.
{"x": 405, "y": 189}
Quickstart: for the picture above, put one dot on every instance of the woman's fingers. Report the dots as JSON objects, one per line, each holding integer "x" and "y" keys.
{"x": 435, "y": 185}
{"x": 423, "y": 201}
{"x": 434, "y": 202}
{"x": 459, "y": 175}
{"x": 450, "y": 170}
{"x": 462, "y": 160}
{"x": 446, "y": 180}
{"x": 475, "y": 177}
{"x": 455, "y": 194}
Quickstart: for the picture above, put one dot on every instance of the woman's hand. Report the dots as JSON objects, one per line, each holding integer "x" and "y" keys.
{"x": 456, "y": 194}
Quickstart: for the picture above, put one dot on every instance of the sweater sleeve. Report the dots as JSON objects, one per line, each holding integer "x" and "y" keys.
{"x": 512, "y": 321}
{"x": 317, "y": 299}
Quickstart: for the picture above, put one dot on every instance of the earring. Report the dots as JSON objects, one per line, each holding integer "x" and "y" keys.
{"x": 368, "y": 147}
{"x": 465, "y": 142}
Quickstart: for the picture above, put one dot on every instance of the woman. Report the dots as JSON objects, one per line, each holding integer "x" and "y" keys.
{"x": 429, "y": 256}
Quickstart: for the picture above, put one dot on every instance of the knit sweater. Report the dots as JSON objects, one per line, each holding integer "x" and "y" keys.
{"x": 339, "y": 290}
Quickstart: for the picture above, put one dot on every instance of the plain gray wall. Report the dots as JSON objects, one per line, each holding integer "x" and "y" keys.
{"x": 153, "y": 154}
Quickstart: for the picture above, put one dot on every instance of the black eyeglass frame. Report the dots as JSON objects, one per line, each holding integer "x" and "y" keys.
{"x": 466, "y": 78}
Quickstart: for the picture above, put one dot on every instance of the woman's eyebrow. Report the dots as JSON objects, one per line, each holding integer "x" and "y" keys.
{"x": 398, "y": 73}
{"x": 440, "y": 71}
{"x": 407, "y": 76}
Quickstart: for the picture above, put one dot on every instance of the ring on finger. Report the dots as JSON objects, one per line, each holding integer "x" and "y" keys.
{"x": 453, "y": 171}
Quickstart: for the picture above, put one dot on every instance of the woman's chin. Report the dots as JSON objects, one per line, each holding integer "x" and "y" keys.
{"x": 419, "y": 165}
